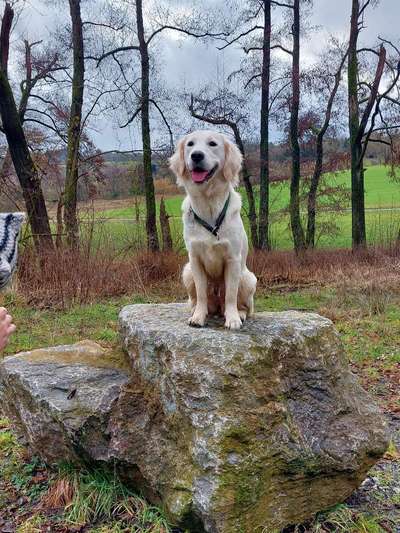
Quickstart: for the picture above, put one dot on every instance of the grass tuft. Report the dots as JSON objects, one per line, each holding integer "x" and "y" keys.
{"x": 96, "y": 496}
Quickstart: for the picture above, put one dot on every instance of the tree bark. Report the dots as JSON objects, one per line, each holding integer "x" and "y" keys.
{"x": 357, "y": 171}
{"x": 294, "y": 207}
{"x": 357, "y": 127}
{"x": 252, "y": 215}
{"x": 74, "y": 126}
{"x": 24, "y": 166}
{"x": 165, "y": 229}
{"x": 151, "y": 220}
{"x": 263, "y": 229}
{"x": 60, "y": 224}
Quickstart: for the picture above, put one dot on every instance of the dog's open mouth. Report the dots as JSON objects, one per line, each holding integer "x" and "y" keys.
{"x": 200, "y": 176}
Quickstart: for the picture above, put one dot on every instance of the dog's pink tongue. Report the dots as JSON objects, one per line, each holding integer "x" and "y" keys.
{"x": 199, "y": 175}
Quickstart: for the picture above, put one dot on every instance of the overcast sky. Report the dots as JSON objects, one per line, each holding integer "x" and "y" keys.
{"x": 192, "y": 64}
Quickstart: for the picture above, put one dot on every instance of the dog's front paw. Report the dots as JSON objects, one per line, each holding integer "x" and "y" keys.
{"x": 197, "y": 320}
{"x": 233, "y": 321}
{"x": 243, "y": 315}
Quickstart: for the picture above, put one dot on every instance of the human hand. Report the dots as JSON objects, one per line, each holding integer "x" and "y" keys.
{"x": 6, "y": 327}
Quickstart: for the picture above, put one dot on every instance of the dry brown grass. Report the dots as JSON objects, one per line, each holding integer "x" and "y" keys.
{"x": 164, "y": 186}
{"x": 327, "y": 267}
{"x": 59, "y": 495}
{"x": 68, "y": 277}
{"x": 84, "y": 276}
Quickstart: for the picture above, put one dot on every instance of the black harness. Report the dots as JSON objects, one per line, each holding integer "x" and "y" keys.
{"x": 221, "y": 217}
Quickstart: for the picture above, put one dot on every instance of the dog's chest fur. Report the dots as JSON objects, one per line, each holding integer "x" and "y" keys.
{"x": 213, "y": 252}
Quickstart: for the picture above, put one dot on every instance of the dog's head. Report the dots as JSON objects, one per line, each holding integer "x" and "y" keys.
{"x": 204, "y": 156}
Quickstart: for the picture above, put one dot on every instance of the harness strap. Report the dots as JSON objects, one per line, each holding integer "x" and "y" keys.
{"x": 221, "y": 217}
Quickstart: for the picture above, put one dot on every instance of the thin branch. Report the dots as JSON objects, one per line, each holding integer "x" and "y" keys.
{"x": 251, "y": 49}
{"x": 373, "y": 94}
{"x": 171, "y": 135}
{"x": 280, "y": 47}
{"x": 251, "y": 79}
{"x": 216, "y": 121}
{"x": 115, "y": 51}
{"x": 386, "y": 128}
{"x": 132, "y": 118}
{"x": 381, "y": 141}
{"x": 392, "y": 100}
{"x": 36, "y": 121}
{"x": 386, "y": 41}
{"x": 276, "y": 96}
{"x": 281, "y": 4}
{"x": 243, "y": 34}
{"x": 363, "y": 8}
{"x": 186, "y": 32}
{"x": 103, "y": 25}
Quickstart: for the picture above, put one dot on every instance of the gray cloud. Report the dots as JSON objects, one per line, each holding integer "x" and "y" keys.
{"x": 190, "y": 64}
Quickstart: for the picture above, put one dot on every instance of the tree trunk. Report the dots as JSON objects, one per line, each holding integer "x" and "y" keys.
{"x": 151, "y": 221}
{"x": 357, "y": 171}
{"x": 74, "y": 127}
{"x": 312, "y": 194}
{"x": 60, "y": 225}
{"x": 249, "y": 188}
{"x": 263, "y": 231}
{"x": 165, "y": 229}
{"x": 294, "y": 207}
{"x": 24, "y": 166}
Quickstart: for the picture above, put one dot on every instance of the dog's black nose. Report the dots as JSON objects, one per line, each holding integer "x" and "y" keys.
{"x": 197, "y": 157}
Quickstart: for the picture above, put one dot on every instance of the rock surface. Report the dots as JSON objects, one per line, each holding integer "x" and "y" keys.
{"x": 230, "y": 431}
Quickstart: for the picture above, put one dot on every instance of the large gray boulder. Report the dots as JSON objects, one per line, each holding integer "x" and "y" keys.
{"x": 230, "y": 431}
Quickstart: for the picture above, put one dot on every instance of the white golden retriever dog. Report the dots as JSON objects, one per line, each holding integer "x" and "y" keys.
{"x": 217, "y": 279}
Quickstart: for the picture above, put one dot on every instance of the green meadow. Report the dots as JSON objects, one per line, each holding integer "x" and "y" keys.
{"x": 382, "y": 200}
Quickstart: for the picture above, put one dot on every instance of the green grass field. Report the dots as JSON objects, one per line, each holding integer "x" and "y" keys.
{"x": 382, "y": 199}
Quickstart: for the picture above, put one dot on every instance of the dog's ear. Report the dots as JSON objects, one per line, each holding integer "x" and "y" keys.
{"x": 233, "y": 162}
{"x": 177, "y": 161}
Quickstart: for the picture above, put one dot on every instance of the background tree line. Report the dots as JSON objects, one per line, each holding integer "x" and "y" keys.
{"x": 101, "y": 59}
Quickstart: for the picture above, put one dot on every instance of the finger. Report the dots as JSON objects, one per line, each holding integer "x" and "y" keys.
{"x": 7, "y": 320}
{"x": 3, "y": 312}
{"x": 11, "y": 329}
{"x": 3, "y": 341}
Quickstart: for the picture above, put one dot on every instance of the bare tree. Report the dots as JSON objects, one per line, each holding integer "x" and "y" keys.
{"x": 364, "y": 112}
{"x": 256, "y": 19}
{"x": 319, "y": 157}
{"x": 263, "y": 231}
{"x": 22, "y": 160}
{"x": 146, "y": 101}
{"x": 294, "y": 207}
{"x": 69, "y": 197}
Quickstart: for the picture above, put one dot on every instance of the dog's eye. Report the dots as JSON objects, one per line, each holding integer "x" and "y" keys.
{"x": 212, "y": 143}
{"x": 190, "y": 143}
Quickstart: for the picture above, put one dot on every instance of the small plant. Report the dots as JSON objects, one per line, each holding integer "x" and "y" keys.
{"x": 7, "y": 443}
{"x": 369, "y": 297}
{"x": 392, "y": 453}
{"x": 343, "y": 519}
{"x": 93, "y": 496}
{"x": 32, "y": 525}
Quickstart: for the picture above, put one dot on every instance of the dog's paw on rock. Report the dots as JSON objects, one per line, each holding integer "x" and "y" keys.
{"x": 197, "y": 320}
{"x": 233, "y": 321}
{"x": 243, "y": 316}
